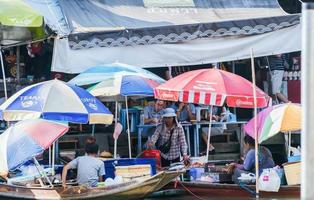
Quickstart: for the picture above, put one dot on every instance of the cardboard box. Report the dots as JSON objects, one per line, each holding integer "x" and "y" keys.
{"x": 293, "y": 173}
{"x": 133, "y": 171}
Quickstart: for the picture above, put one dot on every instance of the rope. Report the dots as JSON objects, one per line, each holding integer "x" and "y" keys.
{"x": 189, "y": 191}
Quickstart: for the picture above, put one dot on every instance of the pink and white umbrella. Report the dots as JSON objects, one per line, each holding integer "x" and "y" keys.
{"x": 211, "y": 87}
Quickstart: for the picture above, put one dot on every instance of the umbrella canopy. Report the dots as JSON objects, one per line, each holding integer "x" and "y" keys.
{"x": 55, "y": 100}
{"x": 211, "y": 87}
{"x": 275, "y": 119}
{"x": 27, "y": 139}
{"x": 101, "y": 73}
{"x": 18, "y": 13}
{"x": 125, "y": 84}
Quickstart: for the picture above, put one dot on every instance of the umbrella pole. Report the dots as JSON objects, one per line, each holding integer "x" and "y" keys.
{"x": 50, "y": 156}
{"x": 289, "y": 144}
{"x": 53, "y": 158}
{"x": 255, "y": 126}
{"x": 3, "y": 75}
{"x": 128, "y": 125}
{"x": 209, "y": 131}
{"x": 93, "y": 130}
{"x": 18, "y": 55}
{"x": 115, "y": 124}
{"x": 41, "y": 172}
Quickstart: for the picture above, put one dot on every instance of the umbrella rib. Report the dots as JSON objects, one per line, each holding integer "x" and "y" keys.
{"x": 47, "y": 97}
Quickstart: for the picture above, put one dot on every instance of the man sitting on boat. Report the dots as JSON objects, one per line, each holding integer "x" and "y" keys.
{"x": 89, "y": 168}
{"x": 171, "y": 139}
{"x": 248, "y": 166}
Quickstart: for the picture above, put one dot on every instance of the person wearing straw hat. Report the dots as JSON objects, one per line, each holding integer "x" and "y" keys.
{"x": 171, "y": 139}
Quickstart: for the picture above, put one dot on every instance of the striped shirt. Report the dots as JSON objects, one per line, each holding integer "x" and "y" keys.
{"x": 277, "y": 63}
{"x": 178, "y": 143}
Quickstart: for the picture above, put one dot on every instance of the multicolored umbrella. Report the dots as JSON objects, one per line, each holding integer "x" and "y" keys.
{"x": 275, "y": 119}
{"x": 125, "y": 84}
{"x": 55, "y": 100}
{"x": 211, "y": 87}
{"x": 101, "y": 73}
{"x": 27, "y": 139}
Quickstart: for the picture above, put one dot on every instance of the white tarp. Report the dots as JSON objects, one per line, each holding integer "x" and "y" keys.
{"x": 194, "y": 52}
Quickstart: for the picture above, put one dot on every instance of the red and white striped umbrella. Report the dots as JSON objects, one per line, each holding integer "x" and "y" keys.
{"x": 211, "y": 87}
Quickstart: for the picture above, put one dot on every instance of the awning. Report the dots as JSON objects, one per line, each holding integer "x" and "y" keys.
{"x": 173, "y": 29}
{"x": 201, "y": 51}
{"x": 19, "y": 22}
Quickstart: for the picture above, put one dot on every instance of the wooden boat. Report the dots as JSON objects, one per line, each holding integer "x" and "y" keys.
{"x": 231, "y": 190}
{"x": 136, "y": 189}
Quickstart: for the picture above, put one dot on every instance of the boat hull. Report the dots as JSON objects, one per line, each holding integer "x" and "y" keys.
{"x": 231, "y": 190}
{"x": 131, "y": 190}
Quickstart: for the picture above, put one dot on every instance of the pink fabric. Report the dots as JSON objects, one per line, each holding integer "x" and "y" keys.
{"x": 45, "y": 132}
{"x": 117, "y": 131}
{"x": 261, "y": 116}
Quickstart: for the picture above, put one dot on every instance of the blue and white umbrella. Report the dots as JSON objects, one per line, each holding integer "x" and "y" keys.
{"x": 100, "y": 73}
{"x": 55, "y": 100}
{"x": 125, "y": 84}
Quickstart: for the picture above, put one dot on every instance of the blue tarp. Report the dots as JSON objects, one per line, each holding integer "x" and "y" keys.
{"x": 108, "y": 23}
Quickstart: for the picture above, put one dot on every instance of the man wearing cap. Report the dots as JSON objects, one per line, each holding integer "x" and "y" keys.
{"x": 170, "y": 131}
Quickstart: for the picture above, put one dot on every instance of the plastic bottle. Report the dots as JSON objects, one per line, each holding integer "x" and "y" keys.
{"x": 142, "y": 117}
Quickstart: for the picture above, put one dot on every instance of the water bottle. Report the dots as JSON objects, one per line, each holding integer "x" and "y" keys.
{"x": 142, "y": 117}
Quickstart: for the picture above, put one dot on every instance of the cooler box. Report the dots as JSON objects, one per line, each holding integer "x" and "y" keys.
{"x": 293, "y": 173}
{"x": 154, "y": 154}
{"x": 110, "y": 165}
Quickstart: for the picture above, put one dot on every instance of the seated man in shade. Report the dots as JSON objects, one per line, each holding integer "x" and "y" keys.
{"x": 185, "y": 112}
{"x": 216, "y": 129}
{"x": 153, "y": 113}
{"x": 89, "y": 168}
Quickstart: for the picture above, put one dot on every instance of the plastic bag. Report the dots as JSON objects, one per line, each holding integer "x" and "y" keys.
{"x": 228, "y": 117}
{"x": 269, "y": 180}
{"x": 247, "y": 178}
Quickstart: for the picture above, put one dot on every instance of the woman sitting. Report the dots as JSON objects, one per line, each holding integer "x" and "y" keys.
{"x": 248, "y": 166}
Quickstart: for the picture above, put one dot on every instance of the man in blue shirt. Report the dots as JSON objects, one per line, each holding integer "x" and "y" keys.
{"x": 89, "y": 168}
{"x": 153, "y": 113}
